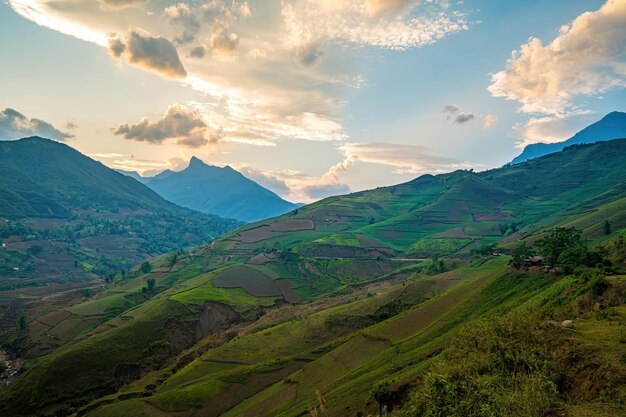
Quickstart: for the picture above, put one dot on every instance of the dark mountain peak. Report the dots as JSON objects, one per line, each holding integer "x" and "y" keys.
{"x": 612, "y": 126}
{"x": 224, "y": 190}
{"x": 58, "y": 179}
{"x": 39, "y": 140}
{"x": 196, "y": 163}
{"x": 614, "y": 115}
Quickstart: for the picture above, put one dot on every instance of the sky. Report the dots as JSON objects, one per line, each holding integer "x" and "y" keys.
{"x": 310, "y": 98}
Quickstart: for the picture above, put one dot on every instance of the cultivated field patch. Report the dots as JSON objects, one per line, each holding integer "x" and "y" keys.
{"x": 492, "y": 217}
{"x": 293, "y": 225}
{"x": 262, "y": 258}
{"x": 256, "y": 235}
{"x": 52, "y": 319}
{"x": 250, "y": 280}
{"x": 369, "y": 242}
{"x": 429, "y": 248}
{"x": 287, "y": 291}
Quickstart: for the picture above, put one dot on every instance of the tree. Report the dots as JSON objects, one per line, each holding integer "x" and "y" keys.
{"x": 520, "y": 252}
{"x": 22, "y": 322}
{"x": 145, "y": 267}
{"x": 35, "y": 250}
{"x": 484, "y": 249}
{"x": 151, "y": 282}
{"x": 565, "y": 241}
{"x": 382, "y": 395}
{"x": 607, "y": 227}
{"x": 173, "y": 259}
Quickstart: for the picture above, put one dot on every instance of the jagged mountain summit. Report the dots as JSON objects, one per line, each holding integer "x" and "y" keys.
{"x": 222, "y": 191}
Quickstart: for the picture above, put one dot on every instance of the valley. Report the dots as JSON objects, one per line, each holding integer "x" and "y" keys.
{"x": 312, "y": 208}
{"x": 317, "y": 308}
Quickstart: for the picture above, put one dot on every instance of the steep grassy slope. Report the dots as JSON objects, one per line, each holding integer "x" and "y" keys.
{"x": 66, "y": 216}
{"x": 67, "y": 221}
{"x": 220, "y": 191}
{"x": 43, "y": 178}
{"x": 324, "y": 259}
{"x": 318, "y": 361}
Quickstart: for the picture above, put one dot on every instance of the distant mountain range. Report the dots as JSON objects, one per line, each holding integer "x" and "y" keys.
{"x": 84, "y": 215}
{"x": 612, "y": 126}
{"x": 214, "y": 190}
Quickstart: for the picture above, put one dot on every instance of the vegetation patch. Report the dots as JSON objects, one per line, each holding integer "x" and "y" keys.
{"x": 293, "y": 225}
{"x": 430, "y": 248}
{"x": 252, "y": 281}
{"x": 256, "y": 235}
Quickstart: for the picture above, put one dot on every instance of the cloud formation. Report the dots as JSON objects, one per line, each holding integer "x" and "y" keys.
{"x": 399, "y": 24}
{"x": 455, "y": 113}
{"x": 149, "y": 52}
{"x": 198, "y": 52}
{"x": 380, "y": 7}
{"x": 550, "y": 129}
{"x": 489, "y": 120}
{"x": 145, "y": 167}
{"x": 14, "y": 125}
{"x": 256, "y": 66}
{"x": 320, "y": 191}
{"x": 586, "y": 58}
{"x": 223, "y": 43}
{"x": 309, "y": 54}
{"x": 120, "y": 4}
{"x": 185, "y": 125}
{"x": 406, "y": 159}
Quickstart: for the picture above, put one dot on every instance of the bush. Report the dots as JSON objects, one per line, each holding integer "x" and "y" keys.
{"x": 504, "y": 367}
{"x": 145, "y": 267}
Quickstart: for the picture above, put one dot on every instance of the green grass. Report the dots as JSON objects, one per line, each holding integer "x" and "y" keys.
{"x": 238, "y": 298}
{"x": 431, "y": 248}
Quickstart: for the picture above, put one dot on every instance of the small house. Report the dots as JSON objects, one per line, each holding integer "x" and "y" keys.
{"x": 533, "y": 261}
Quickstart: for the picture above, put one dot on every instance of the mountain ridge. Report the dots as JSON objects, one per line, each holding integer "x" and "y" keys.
{"x": 69, "y": 217}
{"x": 612, "y": 126}
{"x": 222, "y": 191}
{"x": 351, "y": 249}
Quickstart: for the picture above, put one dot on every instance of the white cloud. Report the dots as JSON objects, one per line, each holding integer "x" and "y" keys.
{"x": 381, "y": 7}
{"x": 320, "y": 191}
{"x": 42, "y": 14}
{"x": 585, "y": 59}
{"x": 350, "y": 21}
{"x": 120, "y": 4}
{"x": 405, "y": 158}
{"x": 455, "y": 113}
{"x": 186, "y": 126}
{"x": 309, "y": 54}
{"x": 550, "y": 129}
{"x": 256, "y": 66}
{"x": 489, "y": 120}
{"x": 295, "y": 186}
{"x": 14, "y": 125}
{"x": 145, "y": 167}
{"x": 224, "y": 43}
{"x": 153, "y": 53}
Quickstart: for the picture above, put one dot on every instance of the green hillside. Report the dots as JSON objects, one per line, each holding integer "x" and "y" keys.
{"x": 67, "y": 222}
{"x": 64, "y": 214}
{"x": 361, "y": 302}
